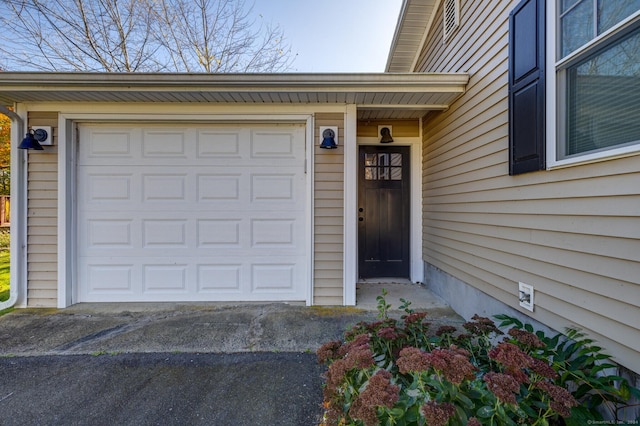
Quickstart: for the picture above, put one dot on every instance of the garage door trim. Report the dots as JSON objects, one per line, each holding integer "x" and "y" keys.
{"x": 67, "y": 240}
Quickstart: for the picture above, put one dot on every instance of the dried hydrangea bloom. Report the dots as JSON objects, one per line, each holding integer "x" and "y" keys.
{"x": 331, "y": 414}
{"x": 328, "y": 351}
{"x": 453, "y": 365}
{"x": 359, "y": 356}
{"x": 561, "y": 399}
{"x": 460, "y": 368}
{"x": 503, "y": 386}
{"x": 510, "y": 355}
{"x": 389, "y": 333}
{"x": 412, "y": 360}
{"x": 415, "y": 317}
{"x": 473, "y": 422}
{"x": 335, "y": 376}
{"x": 518, "y": 374}
{"x": 481, "y": 326}
{"x": 446, "y": 330}
{"x": 460, "y": 351}
{"x": 543, "y": 368}
{"x": 377, "y": 325}
{"x": 438, "y": 414}
{"x": 526, "y": 338}
{"x": 457, "y": 364}
{"x": 379, "y": 392}
{"x": 438, "y": 359}
{"x": 361, "y": 327}
{"x": 358, "y": 340}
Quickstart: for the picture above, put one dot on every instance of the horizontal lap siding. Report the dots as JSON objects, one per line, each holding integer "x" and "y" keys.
{"x": 572, "y": 233}
{"x": 328, "y": 215}
{"x": 42, "y": 212}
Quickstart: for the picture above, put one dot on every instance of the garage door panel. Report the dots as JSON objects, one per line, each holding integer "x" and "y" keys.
{"x": 221, "y": 233}
{"x": 225, "y": 190}
{"x": 164, "y": 234}
{"x": 108, "y": 143}
{"x": 164, "y": 187}
{"x": 165, "y": 279}
{"x": 273, "y": 233}
{"x": 218, "y": 187}
{"x": 163, "y": 146}
{"x": 273, "y": 277}
{"x": 115, "y": 278}
{"x": 272, "y": 145}
{"x": 264, "y": 280}
{"x": 102, "y": 187}
{"x": 217, "y": 278}
{"x": 267, "y": 187}
{"x": 217, "y": 145}
{"x": 267, "y": 231}
{"x": 193, "y": 214}
{"x": 109, "y": 233}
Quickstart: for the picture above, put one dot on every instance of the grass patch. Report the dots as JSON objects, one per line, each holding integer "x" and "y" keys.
{"x": 4, "y": 275}
{"x": 335, "y": 310}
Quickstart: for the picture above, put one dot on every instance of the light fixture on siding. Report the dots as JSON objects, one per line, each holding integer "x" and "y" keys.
{"x": 33, "y": 138}
{"x": 329, "y": 137}
{"x": 385, "y": 134}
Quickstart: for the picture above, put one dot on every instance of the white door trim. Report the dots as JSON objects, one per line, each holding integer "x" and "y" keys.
{"x": 351, "y": 213}
{"x": 67, "y": 250}
{"x": 350, "y": 226}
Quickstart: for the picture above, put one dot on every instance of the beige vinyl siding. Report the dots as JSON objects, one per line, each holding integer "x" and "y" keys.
{"x": 42, "y": 212}
{"x": 328, "y": 215}
{"x": 572, "y": 233}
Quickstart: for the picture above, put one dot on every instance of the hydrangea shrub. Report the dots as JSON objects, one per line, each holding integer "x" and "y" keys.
{"x": 395, "y": 372}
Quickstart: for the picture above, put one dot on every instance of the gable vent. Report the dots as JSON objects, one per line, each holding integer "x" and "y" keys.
{"x": 451, "y": 16}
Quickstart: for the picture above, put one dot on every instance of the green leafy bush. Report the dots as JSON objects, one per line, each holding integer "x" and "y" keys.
{"x": 395, "y": 372}
{"x": 5, "y": 239}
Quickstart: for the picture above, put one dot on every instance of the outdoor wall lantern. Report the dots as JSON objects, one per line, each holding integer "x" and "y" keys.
{"x": 329, "y": 137}
{"x": 385, "y": 134}
{"x": 33, "y": 138}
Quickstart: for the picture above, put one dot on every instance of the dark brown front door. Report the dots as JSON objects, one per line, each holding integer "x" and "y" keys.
{"x": 383, "y": 212}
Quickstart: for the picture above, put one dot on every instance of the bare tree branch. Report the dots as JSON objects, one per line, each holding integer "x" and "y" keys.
{"x": 210, "y": 36}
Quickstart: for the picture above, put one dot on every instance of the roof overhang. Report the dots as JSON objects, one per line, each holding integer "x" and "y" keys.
{"x": 415, "y": 20}
{"x": 377, "y": 95}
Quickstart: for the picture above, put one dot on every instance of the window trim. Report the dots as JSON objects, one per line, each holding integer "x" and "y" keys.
{"x": 556, "y": 85}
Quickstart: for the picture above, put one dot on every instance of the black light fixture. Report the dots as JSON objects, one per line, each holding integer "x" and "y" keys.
{"x": 33, "y": 138}
{"x": 385, "y": 134}
{"x": 328, "y": 139}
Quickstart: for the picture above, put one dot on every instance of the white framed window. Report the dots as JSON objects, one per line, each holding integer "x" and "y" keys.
{"x": 593, "y": 68}
{"x": 451, "y": 17}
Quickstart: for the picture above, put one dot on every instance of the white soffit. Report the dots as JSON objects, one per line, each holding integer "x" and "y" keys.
{"x": 400, "y": 95}
{"x": 415, "y": 19}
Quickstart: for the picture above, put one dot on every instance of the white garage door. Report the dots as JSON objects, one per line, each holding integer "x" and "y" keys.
{"x": 191, "y": 213}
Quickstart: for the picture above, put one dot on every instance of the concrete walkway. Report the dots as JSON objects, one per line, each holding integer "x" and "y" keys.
{"x": 172, "y": 364}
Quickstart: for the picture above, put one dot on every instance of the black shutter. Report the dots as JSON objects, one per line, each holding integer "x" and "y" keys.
{"x": 526, "y": 87}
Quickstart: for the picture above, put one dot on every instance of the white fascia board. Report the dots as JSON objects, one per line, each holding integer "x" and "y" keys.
{"x": 180, "y": 111}
{"x": 82, "y": 87}
{"x": 405, "y": 36}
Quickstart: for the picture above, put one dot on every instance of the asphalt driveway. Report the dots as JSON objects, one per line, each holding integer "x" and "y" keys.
{"x": 161, "y": 389}
{"x": 171, "y": 364}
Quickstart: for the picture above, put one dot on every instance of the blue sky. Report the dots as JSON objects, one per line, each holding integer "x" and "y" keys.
{"x": 335, "y": 35}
